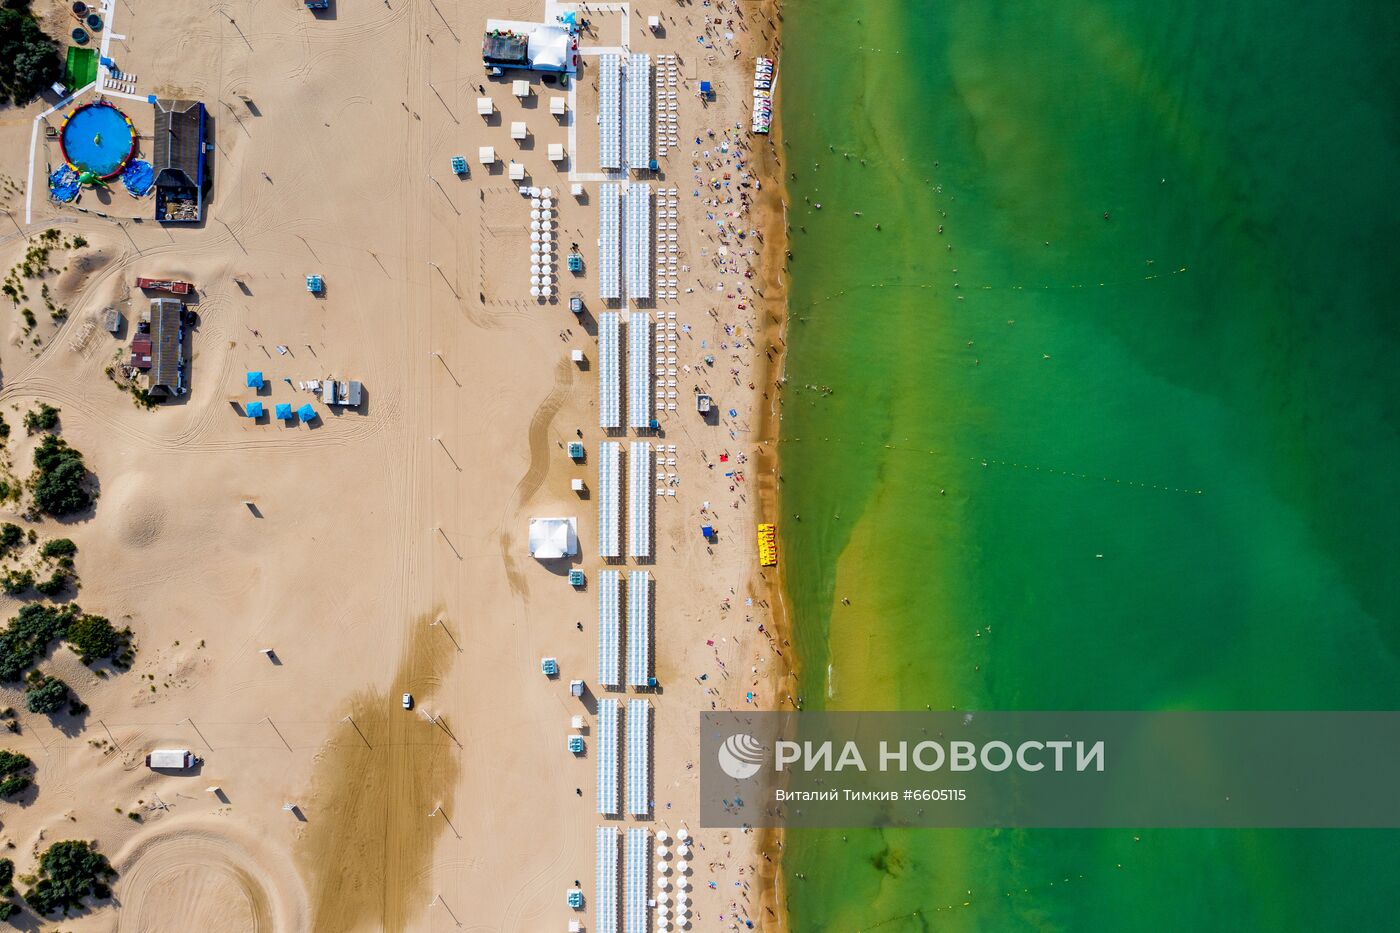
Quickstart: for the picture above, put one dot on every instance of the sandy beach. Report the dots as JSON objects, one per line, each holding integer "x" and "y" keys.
{"x": 383, "y": 550}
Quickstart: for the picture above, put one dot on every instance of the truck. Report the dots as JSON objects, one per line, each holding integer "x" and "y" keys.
{"x": 171, "y": 286}
{"x": 171, "y": 759}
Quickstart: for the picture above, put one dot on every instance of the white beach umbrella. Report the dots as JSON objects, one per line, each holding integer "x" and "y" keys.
{"x": 663, "y": 869}
{"x": 663, "y": 898}
{"x": 546, "y": 279}
{"x": 535, "y": 215}
{"x": 682, "y": 866}
{"x": 535, "y": 225}
{"x": 534, "y": 237}
{"x": 534, "y": 202}
{"x": 547, "y": 203}
{"x": 662, "y": 836}
{"x": 662, "y": 911}
{"x": 663, "y": 852}
{"x": 547, "y": 193}
{"x": 534, "y": 192}
{"x": 535, "y": 248}
{"x": 535, "y": 280}
{"x": 682, "y": 901}
{"x": 683, "y": 851}
{"x": 683, "y": 884}
{"x": 534, "y": 292}
{"x": 663, "y": 924}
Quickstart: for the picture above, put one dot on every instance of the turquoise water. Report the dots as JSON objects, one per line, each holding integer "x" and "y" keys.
{"x": 98, "y": 139}
{"x": 1201, "y": 388}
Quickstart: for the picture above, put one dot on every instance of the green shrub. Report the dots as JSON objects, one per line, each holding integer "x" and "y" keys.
{"x": 58, "y": 478}
{"x": 15, "y": 582}
{"x": 55, "y": 584}
{"x": 94, "y": 638}
{"x": 59, "y": 547}
{"x": 45, "y": 694}
{"x": 68, "y": 872}
{"x": 11, "y": 537}
{"x": 14, "y": 777}
{"x": 43, "y": 418}
{"x": 29, "y": 634}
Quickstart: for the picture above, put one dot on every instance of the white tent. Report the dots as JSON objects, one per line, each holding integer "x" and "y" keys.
{"x": 552, "y": 538}
{"x": 487, "y": 154}
{"x": 520, "y": 88}
{"x": 549, "y": 48}
{"x": 556, "y": 152}
{"x": 556, "y": 106}
{"x": 518, "y": 129}
{"x": 484, "y": 106}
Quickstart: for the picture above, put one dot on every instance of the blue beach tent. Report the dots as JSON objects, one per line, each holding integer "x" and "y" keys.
{"x": 284, "y": 411}
{"x": 306, "y": 412}
{"x": 254, "y": 410}
{"x": 254, "y": 380}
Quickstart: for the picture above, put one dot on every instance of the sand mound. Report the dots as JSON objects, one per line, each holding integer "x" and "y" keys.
{"x": 192, "y": 880}
{"x": 134, "y": 509}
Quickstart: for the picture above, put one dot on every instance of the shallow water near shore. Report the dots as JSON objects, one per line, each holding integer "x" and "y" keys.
{"x": 1141, "y": 461}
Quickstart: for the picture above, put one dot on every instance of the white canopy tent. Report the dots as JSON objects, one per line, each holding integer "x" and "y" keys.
{"x": 552, "y": 538}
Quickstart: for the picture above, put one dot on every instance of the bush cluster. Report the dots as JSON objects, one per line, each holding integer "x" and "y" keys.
{"x": 14, "y": 775}
{"x": 59, "y": 476}
{"x": 68, "y": 872}
{"x": 45, "y": 694}
{"x": 28, "y": 58}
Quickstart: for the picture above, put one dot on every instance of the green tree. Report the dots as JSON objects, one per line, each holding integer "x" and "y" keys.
{"x": 68, "y": 872}
{"x": 28, "y": 58}
{"x": 45, "y": 694}
{"x": 59, "y": 476}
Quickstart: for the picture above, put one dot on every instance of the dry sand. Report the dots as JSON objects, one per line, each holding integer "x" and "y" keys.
{"x": 370, "y": 525}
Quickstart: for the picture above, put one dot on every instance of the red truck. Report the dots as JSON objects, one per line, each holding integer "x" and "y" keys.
{"x": 172, "y": 286}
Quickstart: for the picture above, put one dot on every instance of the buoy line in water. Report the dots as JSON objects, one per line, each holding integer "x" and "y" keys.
{"x": 924, "y": 285}
{"x": 1038, "y": 468}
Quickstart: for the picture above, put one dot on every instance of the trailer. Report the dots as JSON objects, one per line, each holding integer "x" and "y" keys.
{"x": 171, "y": 759}
{"x": 170, "y": 286}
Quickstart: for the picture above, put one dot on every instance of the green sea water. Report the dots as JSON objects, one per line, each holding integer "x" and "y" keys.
{"x": 1144, "y": 462}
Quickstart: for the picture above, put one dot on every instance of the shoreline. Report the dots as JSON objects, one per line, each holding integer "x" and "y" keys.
{"x": 769, "y": 217}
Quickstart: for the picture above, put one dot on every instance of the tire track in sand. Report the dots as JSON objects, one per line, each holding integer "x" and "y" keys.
{"x": 533, "y": 478}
